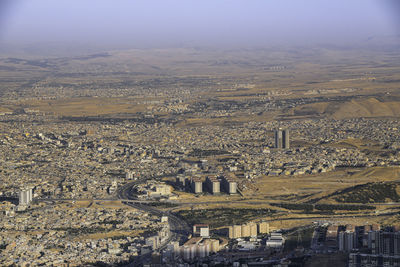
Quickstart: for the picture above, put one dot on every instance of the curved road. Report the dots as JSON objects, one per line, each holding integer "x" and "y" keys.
{"x": 179, "y": 228}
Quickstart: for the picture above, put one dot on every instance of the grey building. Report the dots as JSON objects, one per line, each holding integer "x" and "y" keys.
{"x": 386, "y": 243}
{"x": 347, "y": 241}
{"x": 282, "y": 138}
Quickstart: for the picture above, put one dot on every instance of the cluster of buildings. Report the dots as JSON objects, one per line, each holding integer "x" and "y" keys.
{"x": 60, "y": 160}
{"x": 212, "y": 184}
{"x": 199, "y": 246}
{"x": 74, "y": 235}
{"x": 77, "y": 159}
{"x": 153, "y": 189}
{"x": 155, "y": 241}
{"x": 250, "y": 229}
{"x": 368, "y": 245}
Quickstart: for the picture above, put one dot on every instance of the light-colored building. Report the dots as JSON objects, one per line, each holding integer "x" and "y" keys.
{"x": 235, "y": 231}
{"x": 203, "y": 250}
{"x": 229, "y": 184}
{"x": 245, "y": 230}
{"x": 202, "y": 230}
{"x": 282, "y": 138}
{"x": 153, "y": 242}
{"x": 25, "y": 197}
{"x": 213, "y": 185}
{"x": 214, "y": 245}
{"x": 276, "y": 240}
{"x": 163, "y": 189}
{"x": 197, "y": 186}
{"x": 164, "y": 218}
{"x": 158, "y": 190}
{"x": 253, "y": 229}
{"x": 129, "y": 175}
{"x": 199, "y": 247}
{"x": 263, "y": 227}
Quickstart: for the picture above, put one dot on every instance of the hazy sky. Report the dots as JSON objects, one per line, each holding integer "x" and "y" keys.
{"x": 196, "y": 22}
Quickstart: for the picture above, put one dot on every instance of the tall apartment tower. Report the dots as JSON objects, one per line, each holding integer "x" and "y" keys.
{"x": 25, "y": 197}
{"x": 282, "y": 138}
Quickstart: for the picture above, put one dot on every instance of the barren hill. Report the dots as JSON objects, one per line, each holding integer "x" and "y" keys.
{"x": 368, "y": 108}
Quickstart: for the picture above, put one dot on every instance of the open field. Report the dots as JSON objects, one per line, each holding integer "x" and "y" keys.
{"x": 319, "y": 185}
{"x": 320, "y": 194}
{"x": 223, "y": 216}
{"x": 86, "y": 106}
{"x": 363, "y": 107}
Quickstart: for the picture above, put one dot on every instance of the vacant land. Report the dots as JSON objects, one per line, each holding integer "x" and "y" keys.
{"x": 223, "y": 216}
{"x": 307, "y": 187}
{"x": 363, "y": 107}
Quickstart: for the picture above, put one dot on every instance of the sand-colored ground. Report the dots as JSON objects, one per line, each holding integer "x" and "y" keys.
{"x": 369, "y": 107}
{"x": 319, "y": 185}
{"x": 87, "y": 106}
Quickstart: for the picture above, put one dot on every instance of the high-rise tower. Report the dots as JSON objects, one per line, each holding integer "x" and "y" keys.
{"x": 282, "y": 138}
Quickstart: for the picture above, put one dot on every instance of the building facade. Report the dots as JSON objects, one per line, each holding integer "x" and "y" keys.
{"x": 282, "y": 138}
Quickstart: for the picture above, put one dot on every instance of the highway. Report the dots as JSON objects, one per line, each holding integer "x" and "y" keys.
{"x": 130, "y": 200}
{"x": 180, "y": 230}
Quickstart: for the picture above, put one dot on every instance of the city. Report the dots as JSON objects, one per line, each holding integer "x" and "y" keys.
{"x": 150, "y": 153}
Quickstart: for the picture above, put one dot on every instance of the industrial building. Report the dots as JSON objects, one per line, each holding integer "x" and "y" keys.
{"x": 282, "y": 138}
{"x": 276, "y": 240}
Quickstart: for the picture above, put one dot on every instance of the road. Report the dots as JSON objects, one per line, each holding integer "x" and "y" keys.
{"x": 179, "y": 228}
{"x": 125, "y": 199}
